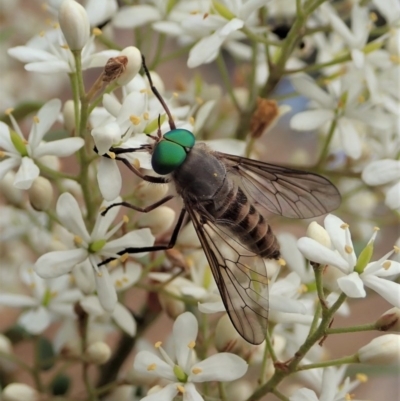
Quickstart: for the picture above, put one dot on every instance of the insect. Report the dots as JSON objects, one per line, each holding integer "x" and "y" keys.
{"x": 227, "y": 198}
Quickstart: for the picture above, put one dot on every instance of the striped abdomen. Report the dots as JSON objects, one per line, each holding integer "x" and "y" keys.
{"x": 236, "y": 213}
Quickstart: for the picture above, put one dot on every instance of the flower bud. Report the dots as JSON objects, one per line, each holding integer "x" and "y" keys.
{"x": 18, "y": 392}
{"x": 389, "y": 321}
{"x": 157, "y": 81}
{"x": 40, "y": 194}
{"x": 98, "y": 353}
{"x": 133, "y": 65}
{"x": 12, "y": 194}
{"x": 6, "y": 348}
{"x": 149, "y": 193}
{"x": 383, "y": 350}
{"x": 227, "y": 339}
{"x": 188, "y": 237}
{"x": 319, "y": 234}
{"x": 123, "y": 392}
{"x": 239, "y": 390}
{"x": 158, "y": 220}
{"x": 74, "y": 23}
{"x": 69, "y": 115}
{"x": 173, "y": 307}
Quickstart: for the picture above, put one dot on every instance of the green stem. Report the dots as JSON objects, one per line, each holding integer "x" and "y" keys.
{"x": 352, "y": 329}
{"x": 280, "y": 395}
{"x": 325, "y": 149}
{"x": 227, "y": 81}
{"x": 317, "y": 67}
{"x": 260, "y": 39}
{"x": 320, "y": 288}
{"x": 292, "y": 366}
{"x": 82, "y": 132}
{"x": 334, "y": 362}
{"x": 222, "y": 392}
{"x": 159, "y": 50}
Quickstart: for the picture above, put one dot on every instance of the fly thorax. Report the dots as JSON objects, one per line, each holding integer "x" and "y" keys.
{"x": 201, "y": 176}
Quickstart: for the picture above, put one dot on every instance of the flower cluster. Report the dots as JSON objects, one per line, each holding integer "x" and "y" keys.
{"x": 94, "y": 261}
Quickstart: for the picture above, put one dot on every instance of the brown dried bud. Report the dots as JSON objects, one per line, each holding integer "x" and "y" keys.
{"x": 114, "y": 67}
{"x": 266, "y": 112}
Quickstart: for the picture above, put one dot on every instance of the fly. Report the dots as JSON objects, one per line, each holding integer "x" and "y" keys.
{"x": 228, "y": 198}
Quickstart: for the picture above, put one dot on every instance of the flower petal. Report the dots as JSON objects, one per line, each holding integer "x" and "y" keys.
{"x": 135, "y": 239}
{"x": 46, "y": 117}
{"x": 70, "y": 215}
{"x": 220, "y": 367}
{"x": 57, "y": 263}
{"x": 387, "y": 289}
{"x": 184, "y": 333}
{"x": 61, "y": 148}
{"x": 152, "y": 365}
{"x": 105, "y": 289}
{"x": 109, "y": 179}
{"x": 352, "y": 285}
{"x": 168, "y": 393}
{"x": 318, "y": 253}
{"x": 124, "y": 319}
{"x": 17, "y": 300}
{"x": 35, "y": 321}
{"x": 7, "y": 165}
{"x": 191, "y": 393}
{"x": 381, "y": 172}
{"x": 136, "y": 16}
{"x": 26, "y": 173}
{"x": 310, "y": 119}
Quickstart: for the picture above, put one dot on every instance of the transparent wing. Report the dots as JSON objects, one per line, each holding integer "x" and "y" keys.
{"x": 240, "y": 275}
{"x": 281, "y": 190}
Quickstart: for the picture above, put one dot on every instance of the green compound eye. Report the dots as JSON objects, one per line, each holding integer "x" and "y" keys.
{"x": 167, "y": 156}
{"x": 170, "y": 152}
{"x": 181, "y": 137}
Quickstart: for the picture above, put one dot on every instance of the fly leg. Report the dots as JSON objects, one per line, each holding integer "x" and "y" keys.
{"x": 158, "y": 247}
{"x": 146, "y": 209}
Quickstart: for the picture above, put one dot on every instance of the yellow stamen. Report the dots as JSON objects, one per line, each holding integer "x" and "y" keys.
{"x": 158, "y": 344}
{"x": 196, "y": 371}
{"x": 281, "y": 262}
{"x": 151, "y": 367}
{"x": 135, "y": 120}
{"x": 125, "y": 218}
{"x": 344, "y": 226}
{"x": 146, "y": 116}
{"x": 124, "y": 257}
{"x": 42, "y": 33}
{"x": 114, "y": 263}
{"x": 396, "y": 249}
{"x": 386, "y": 265}
{"x": 180, "y": 388}
{"x": 376, "y": 229}
{"x": 192, "y": 344}
{"x": 99, "y": 274}
{"x": 77, "y": 240}
{"x": 36, "y": 119}
{"x": 348, "y": 249}
{"x": 191, "y": 120}
{"x": 199, "y": 100}
{"x": 361, "y": 377}
{"x": 111, "y": 155}
{"x": 136, "y": 163}
{"x": 175, "y": 95}
{"x": 8, "y": 111}
{"x": 65, "y": 47}
{"x": 97, "y": 31}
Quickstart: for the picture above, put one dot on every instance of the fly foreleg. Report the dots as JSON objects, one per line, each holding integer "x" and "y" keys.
{"x": 146, "y": 209}
{"x": 158, "y": 247}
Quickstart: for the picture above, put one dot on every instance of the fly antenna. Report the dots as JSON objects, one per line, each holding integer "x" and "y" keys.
{"x": 158, "y": 96}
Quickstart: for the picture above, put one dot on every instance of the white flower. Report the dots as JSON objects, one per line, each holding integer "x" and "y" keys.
{"x": 382, "y": 172}
{"x": 23, "y": 153}
{"x": 125, "y": 126}
{"x": 50, "y": 300}
{"x": 383, "y": 350}
{"x": 182, "y": 367}
{"x": 74, "y": 23}
{"x": 48, "y": 53}
{"x": 331, "y": 385}
{"x": 340, "y": 105}
{"x": 98, "y": 11}
{"x": 358, "y": 271}
{"x": 232, "y": 18}
{"x": 120, "y": 315}
{"x": 93, "y": 246}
